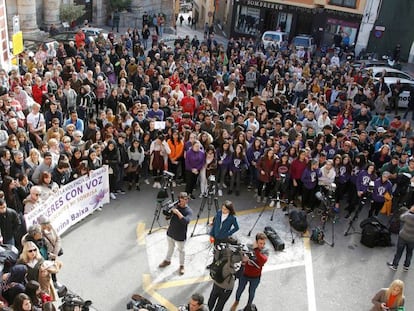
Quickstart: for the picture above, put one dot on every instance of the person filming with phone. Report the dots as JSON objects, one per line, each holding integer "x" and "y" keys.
{"x": 391, "y": 298}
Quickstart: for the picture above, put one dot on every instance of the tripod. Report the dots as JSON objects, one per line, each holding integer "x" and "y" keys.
{"x": 278, "y": 200}
{"x": 326, "y": 213}
{"x": 162, "y": 196}
{"x": 361, "y": 205}
{"x": 324, "y": 218}
{"x": 208, "y": 199}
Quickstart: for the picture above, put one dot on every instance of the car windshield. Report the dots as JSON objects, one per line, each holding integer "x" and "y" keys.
{"x": 301, "y": 42}
{"x": 272, "y": 37}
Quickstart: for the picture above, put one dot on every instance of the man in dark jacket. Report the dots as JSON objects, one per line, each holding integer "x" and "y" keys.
{"x": 405, "y": 241}
{"x": 177, "y": 231}
{"x": 9, "y": 223}
{"x": 124, "y": 159}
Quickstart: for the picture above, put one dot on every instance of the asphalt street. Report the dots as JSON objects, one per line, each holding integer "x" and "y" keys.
{"x": 110, "y": 256}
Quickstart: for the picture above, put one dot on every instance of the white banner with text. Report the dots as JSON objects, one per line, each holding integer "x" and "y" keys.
{"x": 74, "y": 201}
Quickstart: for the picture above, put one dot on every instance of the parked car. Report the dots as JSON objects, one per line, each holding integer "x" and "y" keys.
{"x": 304, "y": 41}
{"x": 65, "y": 37}
{"x": 94, "y": 32}
{"x": 406, "y": 86}
{"x": 367, "y": 63}
{"x": 386, "y": 72}
{"x": 273, "y": 39}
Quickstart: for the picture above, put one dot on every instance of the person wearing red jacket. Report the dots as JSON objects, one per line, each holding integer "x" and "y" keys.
{"x": 188, "y": 103}
{"x": 38, "y": 90}
{"x": 265, "y": 168}
{"x": 296, "y": 169}
{"x": 80, "y": 38}
{"x": 252, "y": 272}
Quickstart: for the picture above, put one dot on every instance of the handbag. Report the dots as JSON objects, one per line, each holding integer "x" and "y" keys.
{"x": 132, "y": 167}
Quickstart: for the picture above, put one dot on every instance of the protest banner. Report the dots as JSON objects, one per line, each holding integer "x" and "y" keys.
{"x": 73, "y": 201}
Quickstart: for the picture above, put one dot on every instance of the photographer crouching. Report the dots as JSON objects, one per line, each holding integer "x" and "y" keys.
{"x": 177, "y": 231}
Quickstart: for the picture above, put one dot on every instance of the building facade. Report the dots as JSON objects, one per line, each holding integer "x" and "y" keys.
{"x": 322, "y": 19}
{"x": 4, "y": 38}
{"x": 391, "y": 27}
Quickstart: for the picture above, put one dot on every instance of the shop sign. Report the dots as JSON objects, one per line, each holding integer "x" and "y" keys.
{"x": 267, "y": 5}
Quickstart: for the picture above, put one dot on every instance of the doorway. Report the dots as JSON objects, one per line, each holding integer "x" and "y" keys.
{"x": 304, "y": 23}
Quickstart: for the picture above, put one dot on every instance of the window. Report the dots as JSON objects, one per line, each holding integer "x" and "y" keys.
{"x": 247, "y": 20}
{"x": 345, "y": 3}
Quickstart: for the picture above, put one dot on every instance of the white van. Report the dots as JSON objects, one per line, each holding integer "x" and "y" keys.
{"x": 273, "y": 39}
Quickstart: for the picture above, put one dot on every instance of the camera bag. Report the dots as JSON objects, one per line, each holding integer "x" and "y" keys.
{"x": 274, "y": 238}
{"x": 374, "y": 233}
{"x": 298, "y": 220}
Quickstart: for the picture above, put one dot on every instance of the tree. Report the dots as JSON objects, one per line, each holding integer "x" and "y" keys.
{"x": 71, "y": 12}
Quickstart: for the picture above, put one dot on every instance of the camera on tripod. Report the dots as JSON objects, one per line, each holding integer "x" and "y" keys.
{"x": 367, "y": 194}
{"x": 327, "y": 195}
{"x": 211, "y": 183}
{"x": 167, "y": 206}
{"x": 168, "y": 174}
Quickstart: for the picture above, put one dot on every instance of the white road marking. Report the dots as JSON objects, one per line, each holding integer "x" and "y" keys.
{"x": 310, "y": 284}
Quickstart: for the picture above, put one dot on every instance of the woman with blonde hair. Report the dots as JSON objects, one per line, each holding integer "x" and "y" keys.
{"x": 389, "y": 298}
{"x": 31, "y": 257}
{"x": 33, "y": 160}
{"x": 13, "y": 144}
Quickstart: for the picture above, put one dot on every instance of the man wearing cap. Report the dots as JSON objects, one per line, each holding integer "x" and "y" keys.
{"x": 177, "y": 231}
{"x": 382, "y": 185}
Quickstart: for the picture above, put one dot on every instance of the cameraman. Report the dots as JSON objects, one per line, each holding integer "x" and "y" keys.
{"x": 252, "y": 271}
{"x": 177, "y": 231}
{"x": 221, "y": 291}
{"x": 196, "y": 303}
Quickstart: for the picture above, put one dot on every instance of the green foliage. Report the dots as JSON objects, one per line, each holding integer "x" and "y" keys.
{"x": 121, "y": 5}
{"x": 71, "y": 12}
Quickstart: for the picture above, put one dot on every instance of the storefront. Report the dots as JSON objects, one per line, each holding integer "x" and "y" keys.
{"x": 250, "y": 18}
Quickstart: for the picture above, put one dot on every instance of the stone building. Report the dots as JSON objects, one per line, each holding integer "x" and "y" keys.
{"x": 40, "y": 14}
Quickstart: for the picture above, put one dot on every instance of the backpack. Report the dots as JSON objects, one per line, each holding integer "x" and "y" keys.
{"x": 216, "y": 269}
{"x": 374, "y": 233}
{"x": 318, "y": 236}
{"x": 298, "y": 221}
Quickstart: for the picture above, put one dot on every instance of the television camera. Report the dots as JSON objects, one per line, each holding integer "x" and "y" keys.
{"x": 238, "y": 249}
{"x": 164, "y": 200}
{"x": 138, "y": 302}
{"x": 326, "y": 210}
{"x": 211, "y": 185}
{"x": 167, "y": 206}
{"x": 73, "y": 302}
{"x": 326, "y": 196}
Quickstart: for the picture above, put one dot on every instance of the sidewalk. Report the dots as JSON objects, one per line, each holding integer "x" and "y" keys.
{"x": 182, "y": 31}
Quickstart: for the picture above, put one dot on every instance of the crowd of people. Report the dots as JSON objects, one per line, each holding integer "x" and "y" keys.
{"x": 268, "y": 120}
